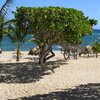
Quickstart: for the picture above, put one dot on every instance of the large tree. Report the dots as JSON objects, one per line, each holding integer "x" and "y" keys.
{"x": 53, "y": 25}
{"x": 3, "y": 12}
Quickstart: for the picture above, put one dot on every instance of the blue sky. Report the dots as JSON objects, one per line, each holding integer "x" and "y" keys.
{"x": 90, "y": 8}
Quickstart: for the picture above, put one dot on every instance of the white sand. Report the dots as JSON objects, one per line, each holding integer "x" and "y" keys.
{"x": 10, "y": 57}
{"x": 82, "y": 71}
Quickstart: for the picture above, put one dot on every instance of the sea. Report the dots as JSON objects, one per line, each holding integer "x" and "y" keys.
{"x": 7, "y": 45}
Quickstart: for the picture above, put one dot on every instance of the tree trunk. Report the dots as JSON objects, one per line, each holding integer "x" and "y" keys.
{"x": 75, "y": 55}
{"x": 0, "y": 50}
{"x": 52, "y": 55}
{"x": 96, "y": 55}
{"x": 66, "y": 55}
{"x": 88, "y": 54}
{"x": 18, "y": 52}
{"x": 42, "y": 58}
{"x": 44, "y": 55}
{"x": 1, "y": 31}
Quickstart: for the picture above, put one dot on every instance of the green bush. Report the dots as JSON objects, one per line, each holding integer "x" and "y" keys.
{"x": 96, "y": 48}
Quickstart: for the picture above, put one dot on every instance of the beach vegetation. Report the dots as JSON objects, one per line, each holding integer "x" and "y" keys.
{"x": 3, "y": 15}
{"x": 16, "y": 36}
{"x": 53, "y": 25}
{"x": 96, "y": 48}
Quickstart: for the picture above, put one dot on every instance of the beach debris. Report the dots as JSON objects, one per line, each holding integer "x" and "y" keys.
{"x": 34, "y": 51}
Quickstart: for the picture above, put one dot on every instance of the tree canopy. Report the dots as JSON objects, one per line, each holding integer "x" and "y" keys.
{"x": 51, "y": 23}
{"x": 54, "y": 25}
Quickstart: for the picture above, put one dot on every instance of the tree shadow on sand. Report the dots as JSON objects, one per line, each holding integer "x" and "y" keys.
{"x": 26, "y": 72}
{"x": 82, "y": 92}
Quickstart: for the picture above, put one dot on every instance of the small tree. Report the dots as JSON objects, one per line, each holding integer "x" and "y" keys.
{"x": 16, "y": 36}
{"x": 96, "y": 48}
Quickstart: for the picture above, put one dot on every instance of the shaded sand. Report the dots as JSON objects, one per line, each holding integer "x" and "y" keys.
{"x": 26, "y": 80}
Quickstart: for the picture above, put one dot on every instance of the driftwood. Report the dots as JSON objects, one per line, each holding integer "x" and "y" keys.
{"x": 87, "y": 50}
{"x": 69, "y": 51}
{"x": 75, "y": 51}
{"x": 34, "y": 51}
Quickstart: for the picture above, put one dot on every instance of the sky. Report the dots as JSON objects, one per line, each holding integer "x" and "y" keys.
{"x": 90, "y": 8}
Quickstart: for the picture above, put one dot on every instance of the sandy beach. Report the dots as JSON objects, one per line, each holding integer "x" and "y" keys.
{"x": 60, "y": 80}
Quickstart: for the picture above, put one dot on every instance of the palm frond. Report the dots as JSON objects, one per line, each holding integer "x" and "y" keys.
{"x": 1, "y": 28}
{"x": 10, "y": 22}
{"x": 32, "y": 40}
{"x": 11, "y": 37}
{"x": 5, "y": 7}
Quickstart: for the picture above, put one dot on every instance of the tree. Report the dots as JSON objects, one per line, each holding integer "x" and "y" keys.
{"x": 96, "y": 48}
{"x": 3, "y": 12}
{"x": 93, "y": 22}
{"x": 53, "y": 25}
{"x": 16, "y": 36}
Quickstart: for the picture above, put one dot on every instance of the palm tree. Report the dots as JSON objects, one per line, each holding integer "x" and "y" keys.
{"x": 96, "y": 48}
{"x": 16, "y": 36}
{"x": 3, "y": 12}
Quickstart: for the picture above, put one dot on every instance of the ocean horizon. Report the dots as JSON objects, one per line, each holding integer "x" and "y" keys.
{"x": 7, "y": 45}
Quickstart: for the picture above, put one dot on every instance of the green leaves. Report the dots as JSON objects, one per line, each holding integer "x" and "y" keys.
{"x": 96, "y": 47}
{"x": 15, "y": 34}
{"x": 1, "y": 28}
{"x": 54, "y": 25}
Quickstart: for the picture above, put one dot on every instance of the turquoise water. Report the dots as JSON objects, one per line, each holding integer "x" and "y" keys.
{"x": 7, "y": 45}
{"x": 87, "y": 40}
